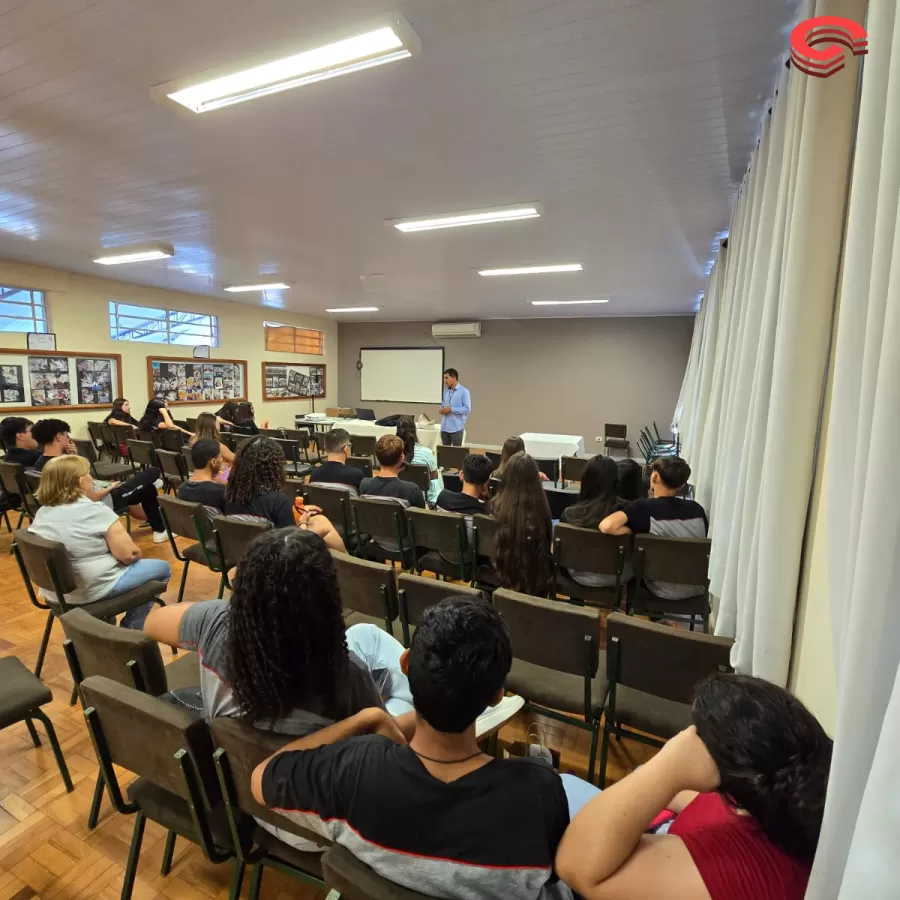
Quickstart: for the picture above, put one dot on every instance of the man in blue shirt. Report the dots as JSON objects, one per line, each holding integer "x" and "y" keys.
{"x": 457, "y": 404}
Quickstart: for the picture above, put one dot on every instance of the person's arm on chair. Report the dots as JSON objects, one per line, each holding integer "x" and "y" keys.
{"x": 120, "y": 544}
{"x": 615, "y": 523}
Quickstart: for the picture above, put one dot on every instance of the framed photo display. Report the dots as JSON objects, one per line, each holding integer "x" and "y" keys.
{"x": 292, "y": 381}
{"x": 179, "y": 379}
{"x": 41, "y": 382}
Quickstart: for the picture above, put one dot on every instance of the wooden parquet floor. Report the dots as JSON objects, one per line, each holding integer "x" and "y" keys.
{"x": 46, "y": 849}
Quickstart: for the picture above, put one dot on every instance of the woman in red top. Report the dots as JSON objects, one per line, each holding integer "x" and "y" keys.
{"x": 745, "y": 786}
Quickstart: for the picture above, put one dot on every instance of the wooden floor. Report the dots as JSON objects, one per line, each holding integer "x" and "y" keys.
{"x": 45, "y": 848}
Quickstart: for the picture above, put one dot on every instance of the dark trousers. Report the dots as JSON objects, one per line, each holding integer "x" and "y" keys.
{"x": 452, "y": 438}
{"x": 141, "y": 490}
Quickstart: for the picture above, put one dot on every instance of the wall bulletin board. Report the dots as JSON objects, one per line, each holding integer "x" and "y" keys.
{"x": 184, "y": 380}
{"x": 292, "y": 381}
{"x": 46, "y": 381}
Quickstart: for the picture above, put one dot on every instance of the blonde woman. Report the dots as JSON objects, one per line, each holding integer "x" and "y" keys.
{"x": 105, "y": 560}
{"x": 208, "y": 430}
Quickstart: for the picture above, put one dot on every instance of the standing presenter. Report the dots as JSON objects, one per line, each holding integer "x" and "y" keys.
{"x": 457, "y": 404}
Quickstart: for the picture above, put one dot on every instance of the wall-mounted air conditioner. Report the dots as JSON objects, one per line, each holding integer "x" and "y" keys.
{"x": 456, "y": 329}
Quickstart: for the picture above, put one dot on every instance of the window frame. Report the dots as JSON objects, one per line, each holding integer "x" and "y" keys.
{"x": 36, "y": 321}
{"x": 295, "y": 329}
{"x": 213, "y": 339}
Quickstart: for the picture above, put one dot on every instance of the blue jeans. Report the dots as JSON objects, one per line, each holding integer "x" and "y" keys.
{"x": 135, "y": 575}
{"x": 578, "y": 792}
{"x": 381, "y": 654}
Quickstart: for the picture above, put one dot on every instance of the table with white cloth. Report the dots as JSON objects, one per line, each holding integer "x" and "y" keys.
{"x": 428, "y": 435}
{"x": 552, "y": 446}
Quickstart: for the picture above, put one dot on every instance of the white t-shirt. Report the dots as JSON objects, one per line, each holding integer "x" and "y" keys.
{"x": 82, "y": 527}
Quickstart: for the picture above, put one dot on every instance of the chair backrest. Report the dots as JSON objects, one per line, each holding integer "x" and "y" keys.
{"x": 573, "y": 467}
{"x": 11, "y": 475}
{"x": 384, "y": 519}
{"x": 191, "y": 424}
{"x": 142, "y": 452}
{"x": 188, "y": 461}
{"x": 441, "y": 531}
{"x": 494, "y": 458}
{"x": 681, "y": 560}
{"x": 333, "y": 500}
{"x": 240, "y": 748}
{"x": 45, "y": 563}
{"x": 148, "y": 435}
{"x": 363, "y": 463}
{"x": 234, "y": 535}
{"x": 354, "y": 880}
{"x": 587, "y": 550}
{"x": 33, "y": 480}
{"x": 363, "y": 444}
{"x": 182, "y": 423}
{"x": 86, "y": 449}
{"x": 619, "y": 432}
{"x": 123, "y": 655}
{"x": 240, "y": 439}
{"x": 183, "y": 519}
{"x": 484, "y": 535}
{"x": 418, "y": 475}
{"x": 416, "y": 594}
{"x": 143, "y": 734}
{"x": 559, "y": 500}
{"x": 366, "y": 587}
{"x": 547, "y": 633}
{"x": 113, "y": 436}
{"x": 662, "y": 661}
{"x": 94, "y": 431}
{"x": 172, "y": 463}
{"x": 451, "y": 457}
{"x": 172, "y": 440}
{"x": 550, "y": 467}
{"x": 290, "y": 449}
{"x": 452, "y": 482}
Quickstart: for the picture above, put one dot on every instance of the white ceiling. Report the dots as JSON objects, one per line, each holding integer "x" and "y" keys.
{"x": 630, "y": 121}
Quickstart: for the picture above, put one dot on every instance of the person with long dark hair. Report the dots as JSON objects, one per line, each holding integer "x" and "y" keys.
{"x": 417, "y": 454}
{"x": 740, "y": 795}
{"x": 207, "y": 429}
{"x": 630, "y": 480}
{"x": 157, "y": 418}
{"x": 524, "y": 528}
{"x": 120, "y": 414}
{"x": 225, "y": 416}
{"x": 245, "y": 419}
{"x": 256, "y": 488}
{"x": 512, "y": 446}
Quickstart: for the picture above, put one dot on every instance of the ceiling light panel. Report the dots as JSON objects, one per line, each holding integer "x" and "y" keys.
{"x": 469, "y": 217}
{"x": 532, "y": 270}
{"x": 353, "y": 309}
{"x": 364, "y": 51}
{"x": 117, "y": 256}
{"x": 569, "y": 302}
{"x": 246, "y": 288}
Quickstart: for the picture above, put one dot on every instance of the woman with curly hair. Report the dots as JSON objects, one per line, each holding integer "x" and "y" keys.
{"x": 277, "y": 654}
{"x": 256, "y": 488}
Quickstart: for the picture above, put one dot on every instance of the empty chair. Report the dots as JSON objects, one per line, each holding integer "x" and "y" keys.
{"x": 174, "y": 468}
{"x": 233, "y": 535}
{"x": 105, "y": 471}
{"x": 363, "y": 463}
{"x": 652, "y": 671}
{"x": 368, "y": 591}
{"x": 415, "y": 594}
{"x": 550, "y": 467}
{"x": 558, "y": 666}
{"x": 18, "y": 494}
{"x": 440, "y": 543}
{"x": 95, "y": 435}
{"x": 384, "y": 522}
{"x": 293, "y": 466}
{"x": 597, "y": 559}
{"x": 363, "y": 444}
{"x": 572, "y": 468}
{"x": 191, "y": 521}
{"x": 418, "y": 475}
{"x": 143, "y": 453}
{"x": 148, "y": 436}
{"x": 354, "y": 880}
{"x": 615, "y": 437}
{"x": 451, "y": 457}
{"x": 172, "y": 440}
{"x": 115, "y": 440}
{"x": 334, "y": 501}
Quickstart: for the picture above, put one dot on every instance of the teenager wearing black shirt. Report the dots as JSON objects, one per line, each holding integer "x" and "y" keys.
{"x": 387, "y": 483}
{"x": 476, "y": 473}
{"x": 336, "y": 470}
{"x": 21, "y": 447}
{"x": 202, "y": 486}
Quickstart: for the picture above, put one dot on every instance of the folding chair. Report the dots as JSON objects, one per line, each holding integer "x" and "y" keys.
{"x": 334, "y": 501}
{"x": 174, "y": 469}
{"x": 416, "y": 594}
{"x": 233, "y": 535}
{"x": 191, "y": 521}
{"x": 363, "y": 463}
{"x": 368, "y": 591}
{"x": 417, "y": 475}
{"x": 293, "y": 466}
{"x": 384, "y": 522}
{"x": 363, "y": 444}
{"x": 143, "y": 453}
{"x": 616, "y": 437}
{"x": 440, "y": 543}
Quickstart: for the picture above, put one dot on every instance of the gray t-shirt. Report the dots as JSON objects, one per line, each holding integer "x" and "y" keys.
{"x": 82, "y": 527}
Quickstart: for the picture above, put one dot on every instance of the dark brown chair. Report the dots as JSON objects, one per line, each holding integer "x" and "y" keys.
{"x": 46, "y": 564}
{"x": 18, "y": 493}
{"x": 417, "y": 475}
{"x": 191, "y": 521}
{"x": 188, "y": 460}
{"x": 572, "y": 468}
{"x": 384, "y": 522}
{"x": 334, "y": 501}
{"x": 240, "y": 748}
{"x": 440, "y": 543}
{"x": 451, "y": 457}
{"x": 233, "y": 535}
{"x": 652, "y": 671}
{"x": 615, "y": 437}
{"x": 240, "y": 439}
{"x": 182, "y": 423}
{"x": 174, "y": 469}
{"x": 191, "y": 424}
{"x": 368, "y": 591}
{"x": 484, "y": 552}
{"x": 494, "y": 458}
{"x": 293, "y": 466}
{"x": 96, "y": 437}
{"x": 105, "y": 471}
{"x": 171, "y": 752}
{"x": 354, "y": 880}
{"x": 586, "y": 550}
{"x": 363, "y": 445}
{"x": 148, "y": 436}
{"x": 664, "y": 562}
{"x": 21, "y": 697}
{"x": 363, "y": 463}
{"x": 415, "y": 594}
{"x": 143, "y": 453}
{"x": 115, "y": 438}
{"x": 558, "y": 666}
{"x": 172, "y": 440}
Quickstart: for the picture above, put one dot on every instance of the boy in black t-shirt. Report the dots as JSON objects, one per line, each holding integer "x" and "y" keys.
{"x": 435, "y": 815}
{"x": 335, "y": 470}
{"x": 387, "y": 483}
{"x": 202, "y": 487}
{"x": 476, "y": 473}
{"x": 21, "y": 447}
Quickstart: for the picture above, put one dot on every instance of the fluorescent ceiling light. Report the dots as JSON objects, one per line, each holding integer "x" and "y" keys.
{"x": 244, "y": 288}
{"x": 364, "y": 51}
{"x": 568, "y": 302}
{"x": 119, "y": 255}
{"x": 353, "y": 309}
{"x": 469, "y": 217}
{"x": 533, "y": 270}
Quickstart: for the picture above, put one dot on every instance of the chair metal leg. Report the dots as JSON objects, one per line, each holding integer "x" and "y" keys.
{"x": 592, "y": 759}
{"x": 604, "y": 756}
{"x": 168, "y": 853}
{"x": 45, "y": 640}
{"x": 222, "y": 582}
{"x": 74, "y": 698}
{"x": 184, "y": 574}
{"x": 94, "y": 813}
{"x": 134, "y": 853}
{"x": 57, "y": 750}
{"x": 237, "y": 880}
{"x": 33, "y": 732}
{"x": 255, "y": 882}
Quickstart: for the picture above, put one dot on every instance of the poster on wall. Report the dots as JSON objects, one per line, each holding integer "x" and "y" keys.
{"x": 94, "y": 381}
{"x": 288, "y": 381}
{"x": 12, "y": 384}
{"x": 189, "y": 381}
{"x": 50, "y": 384}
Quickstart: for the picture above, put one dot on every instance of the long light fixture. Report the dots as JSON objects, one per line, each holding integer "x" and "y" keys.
{"x": 246, "y": 288}
{"x": 568, "y": 302}
{"x": 469, "y": 217}
{"x": 374, "y": 48}
{"x": 532, "y": 270}
{"x": 353, "y": 309}
{"x": 136, "y": 253}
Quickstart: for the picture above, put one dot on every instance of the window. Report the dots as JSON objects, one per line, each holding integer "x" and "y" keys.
{"x": 287, "y": 339}
{"x": 161, "y": 326}
{"x": 22, "y": 310}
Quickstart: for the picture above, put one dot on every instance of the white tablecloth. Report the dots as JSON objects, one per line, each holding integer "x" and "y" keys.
{"x": 553, "y": 446}
{"x": 429, "y": 435}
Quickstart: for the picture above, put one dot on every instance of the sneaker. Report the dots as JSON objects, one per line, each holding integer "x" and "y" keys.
{"x": 159, "y": 484}
{"x": 494, "y": 717}
{"x": 160, "y": 537}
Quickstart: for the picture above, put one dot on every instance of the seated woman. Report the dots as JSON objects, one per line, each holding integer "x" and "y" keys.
{"x": 225, "y": 416}
{"x": 120, "y": 414}
{"x": 511, "y": 446}
{"x": 417, "y": 454}
{"x": 207, "y": 430}
{"x": 631, "y": 484}
{"x": 596, "y": 500}
{"x": 244, "y": 419}
{"x": 157, "y": 418}
{"x": 105, "y": 560}
{"x": 524, "y": 528}
{"x": 743, "y": 790}
{"x": 256, "y": 488}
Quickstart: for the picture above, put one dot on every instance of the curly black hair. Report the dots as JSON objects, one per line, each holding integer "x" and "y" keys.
{"x": 286, "y": 647}
{"x": 258, "y": 469}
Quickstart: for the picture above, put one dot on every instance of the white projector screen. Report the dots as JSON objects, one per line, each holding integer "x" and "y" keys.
{"x": 402, "y": 374}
